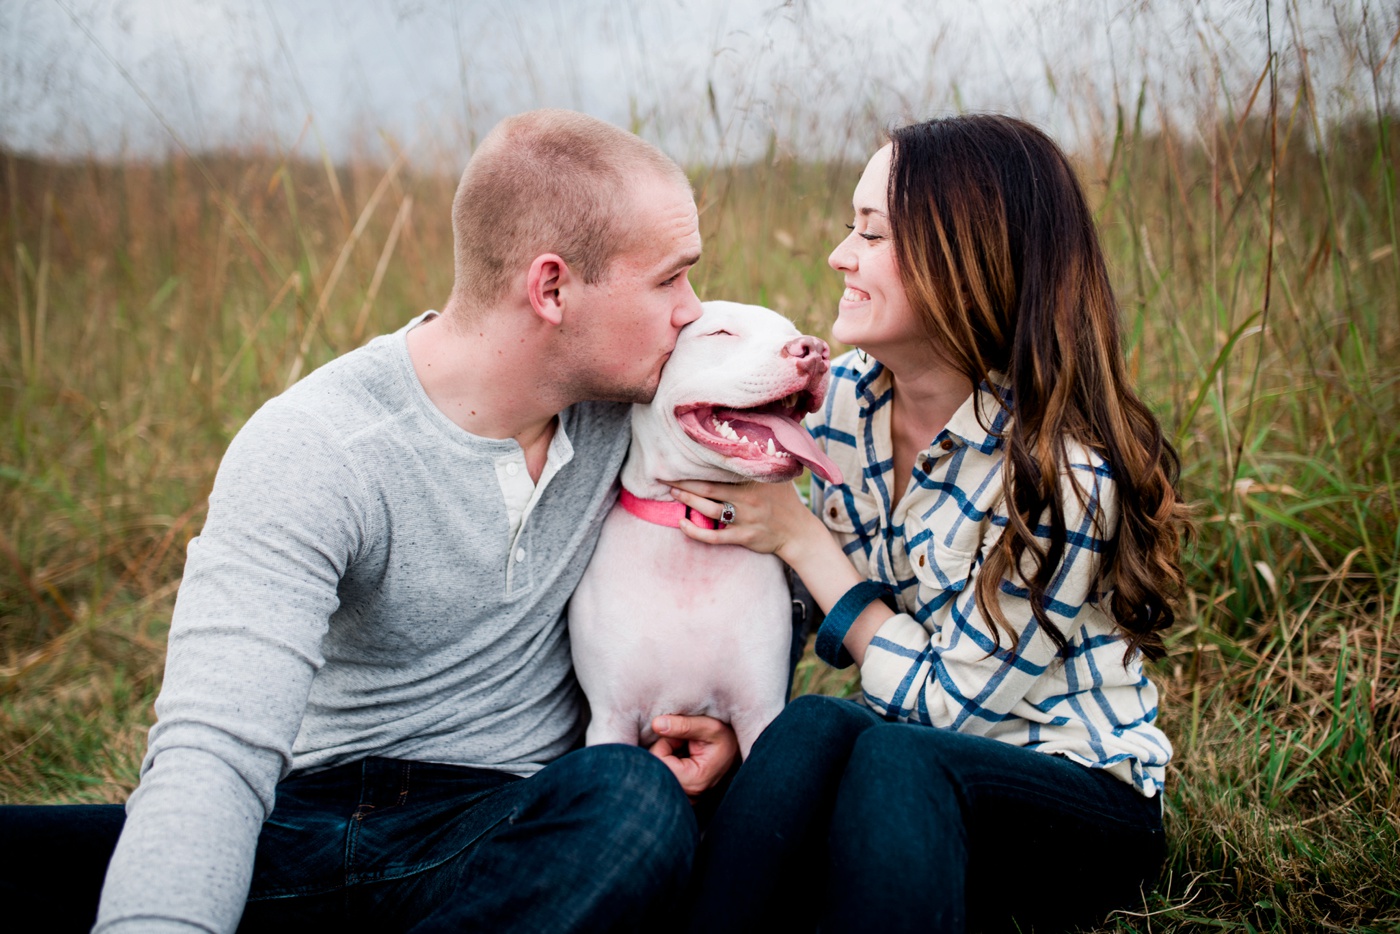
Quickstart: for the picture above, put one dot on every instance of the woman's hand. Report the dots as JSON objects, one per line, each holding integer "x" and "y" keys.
{"x": 768, "y": 517}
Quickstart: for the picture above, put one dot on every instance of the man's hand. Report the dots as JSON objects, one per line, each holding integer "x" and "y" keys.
{"x": 712, "y": 750}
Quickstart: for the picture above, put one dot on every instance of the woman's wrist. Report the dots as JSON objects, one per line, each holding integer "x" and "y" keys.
{"x": 806, "y": 540}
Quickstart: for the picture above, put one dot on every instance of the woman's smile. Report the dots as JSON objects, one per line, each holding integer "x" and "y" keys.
{"x": 853, "y": 296}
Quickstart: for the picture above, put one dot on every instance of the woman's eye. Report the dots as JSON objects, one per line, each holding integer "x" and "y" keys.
{"x": 870, "y": 236}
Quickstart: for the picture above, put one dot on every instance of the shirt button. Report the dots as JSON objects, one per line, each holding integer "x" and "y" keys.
{"x": 832, "y": 512}
{"x": 927, "y": 463}
{"x": 948, "y": 444}
{"x": 519, "y": 554}
{"x": 512, "y": 469}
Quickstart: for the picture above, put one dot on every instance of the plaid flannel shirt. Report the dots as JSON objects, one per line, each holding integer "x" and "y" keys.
{"x": 936, "y": 661}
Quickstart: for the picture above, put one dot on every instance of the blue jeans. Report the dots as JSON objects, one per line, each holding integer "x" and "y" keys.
{"x": 842, "y": 821}
{"x": 600, "y": 840}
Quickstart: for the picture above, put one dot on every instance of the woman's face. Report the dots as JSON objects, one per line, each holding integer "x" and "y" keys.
{"x": 874, "y": 312}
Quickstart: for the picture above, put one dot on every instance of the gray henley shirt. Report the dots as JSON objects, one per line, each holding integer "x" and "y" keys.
{"x": 356, "y": 591}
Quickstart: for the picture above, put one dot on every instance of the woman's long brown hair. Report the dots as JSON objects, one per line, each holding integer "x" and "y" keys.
{"x": 998, "y": 254}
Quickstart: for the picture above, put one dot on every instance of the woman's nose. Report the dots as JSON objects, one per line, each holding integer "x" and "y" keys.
{"x": 841, "y": 258}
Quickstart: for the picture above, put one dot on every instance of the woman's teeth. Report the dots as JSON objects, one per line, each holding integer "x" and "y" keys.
{"x": 854, "y": 295}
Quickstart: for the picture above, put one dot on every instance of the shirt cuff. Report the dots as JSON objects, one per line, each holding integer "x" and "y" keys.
{"x": 839, "y": 619}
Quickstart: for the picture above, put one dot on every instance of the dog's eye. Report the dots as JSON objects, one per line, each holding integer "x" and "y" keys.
{"x": 719, "y": 332}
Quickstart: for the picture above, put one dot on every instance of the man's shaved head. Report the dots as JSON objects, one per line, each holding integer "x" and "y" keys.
{"x": 547, "y": 181}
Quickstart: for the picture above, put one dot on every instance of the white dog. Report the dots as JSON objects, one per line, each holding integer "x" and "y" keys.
{"x": 661, "y": 624}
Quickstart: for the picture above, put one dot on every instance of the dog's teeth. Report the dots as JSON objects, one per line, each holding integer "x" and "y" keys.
{"x": 772, "y": 451}
{"x": 744, "y": 438}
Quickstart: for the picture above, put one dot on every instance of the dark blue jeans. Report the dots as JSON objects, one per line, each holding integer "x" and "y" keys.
{"x": 842, "y": 821}
{"x": 600, "y": 840}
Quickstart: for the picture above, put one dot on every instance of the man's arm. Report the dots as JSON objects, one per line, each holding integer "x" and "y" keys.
{"x": 285, "y": 519}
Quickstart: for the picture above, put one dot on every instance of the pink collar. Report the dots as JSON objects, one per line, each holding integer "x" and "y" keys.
{"x": 665, "y": 512}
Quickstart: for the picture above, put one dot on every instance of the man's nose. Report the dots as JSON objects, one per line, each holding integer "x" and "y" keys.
{"x": 810, "y": 353}
{"x": 688, "y": 310}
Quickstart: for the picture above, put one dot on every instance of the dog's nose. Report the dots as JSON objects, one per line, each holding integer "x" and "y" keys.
{"x": 811, "y": 353}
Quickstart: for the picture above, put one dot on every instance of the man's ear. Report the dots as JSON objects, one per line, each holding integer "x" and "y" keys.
{"x": 544, "y": 283}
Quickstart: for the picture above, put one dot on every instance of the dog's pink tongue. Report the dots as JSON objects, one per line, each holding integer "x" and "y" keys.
{"x": 793, "y": 438}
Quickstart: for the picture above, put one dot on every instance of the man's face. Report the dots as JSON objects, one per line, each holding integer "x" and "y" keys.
{"x": 627, "y": 328}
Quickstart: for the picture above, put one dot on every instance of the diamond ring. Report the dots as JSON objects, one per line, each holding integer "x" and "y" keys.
{"x": 727, "y": 515}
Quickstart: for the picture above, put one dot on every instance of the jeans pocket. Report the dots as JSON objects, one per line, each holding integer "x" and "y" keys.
{"x": 368, "y": 821}
{"x": 299, "y": 853}
{"x": 404, "y": 840}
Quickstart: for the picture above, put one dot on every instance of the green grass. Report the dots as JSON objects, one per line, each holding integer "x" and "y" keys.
{"x": 149, "y": 309}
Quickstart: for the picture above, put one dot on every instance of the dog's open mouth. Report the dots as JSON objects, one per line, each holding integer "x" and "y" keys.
{"x": 770, "y": 434}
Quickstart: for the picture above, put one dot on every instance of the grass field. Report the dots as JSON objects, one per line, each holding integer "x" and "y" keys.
{"x": 149, "y": 309}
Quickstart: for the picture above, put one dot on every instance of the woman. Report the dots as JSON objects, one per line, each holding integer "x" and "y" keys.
{"x": 1003, "y": 553}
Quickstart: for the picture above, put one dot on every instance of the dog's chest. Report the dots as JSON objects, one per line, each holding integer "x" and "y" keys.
{"x": 655, "y": 571}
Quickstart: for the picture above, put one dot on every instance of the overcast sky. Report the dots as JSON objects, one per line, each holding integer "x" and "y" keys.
{"x": 705, "y": 78}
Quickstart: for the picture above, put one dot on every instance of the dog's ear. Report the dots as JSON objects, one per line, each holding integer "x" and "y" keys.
{"x": 547, "y": 277}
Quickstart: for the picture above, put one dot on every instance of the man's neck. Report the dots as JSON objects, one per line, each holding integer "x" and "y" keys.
{"x": 488, "y": 377}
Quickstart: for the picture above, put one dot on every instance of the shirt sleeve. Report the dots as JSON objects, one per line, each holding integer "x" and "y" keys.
{"x": 945, "y": 668}
{"x": 285, "y": 520}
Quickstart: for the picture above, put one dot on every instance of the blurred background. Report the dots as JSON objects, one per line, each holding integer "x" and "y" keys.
{"x": 203, "y": 202}
{"x": 707, "y": 79}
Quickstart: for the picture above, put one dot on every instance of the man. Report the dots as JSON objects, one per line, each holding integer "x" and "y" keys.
{"x": 375, "y": 603}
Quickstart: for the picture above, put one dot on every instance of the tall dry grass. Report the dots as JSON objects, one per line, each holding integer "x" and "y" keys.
{"x": 149, "y": 309}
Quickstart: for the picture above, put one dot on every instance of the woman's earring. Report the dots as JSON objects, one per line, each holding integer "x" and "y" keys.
{"x": 864, "y": 357}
